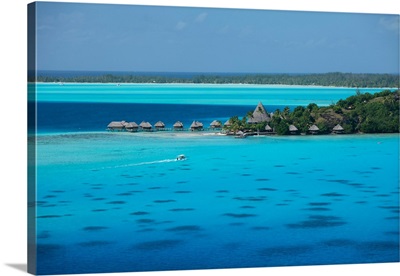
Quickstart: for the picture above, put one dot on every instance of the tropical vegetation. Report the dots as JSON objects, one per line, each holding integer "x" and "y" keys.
{"x": 360, "y": 113}
{"x": 327, "y": 79}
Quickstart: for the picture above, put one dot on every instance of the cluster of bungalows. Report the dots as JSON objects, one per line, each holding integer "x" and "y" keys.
{"x": 260, "y": 115}
{"x": 159, "y": 126}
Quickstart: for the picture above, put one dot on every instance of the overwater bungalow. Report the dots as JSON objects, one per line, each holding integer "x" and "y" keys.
{"x": 159, "y": 125}
{"x": 215, "y": 124}
{"x": 259, "y": 115}
{"x": 228, "y": 123}
{"x": 178, "y": 125}
{"x": 132, "y": 126}
{"x": 196, "y": 125}
{"x": 293, "y": 129}
{"x": 145, "y": 125}
{"x": 115, "y": 125}
{"x": 338, "y": 129}
{"x": 313, "y": 129}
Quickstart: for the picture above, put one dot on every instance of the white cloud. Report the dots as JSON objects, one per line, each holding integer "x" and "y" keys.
{"x": 180, "y": 25}
{"x": 201, "y": 17}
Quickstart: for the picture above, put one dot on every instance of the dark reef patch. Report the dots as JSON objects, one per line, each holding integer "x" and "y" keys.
{"x": 318, "y": 221}
{"x": 145, "y": 221}
{"x": 116, "y": 202}
{"x": 262, "y": 179}
{"x": 164, "y": 200}
{"x": 222, "y": 191}
{"x": 267, "y": 189}
{"x": 94, "y": 228}
{"x": 182, "y": 209}
{"x": 233, "y": 215}
{"x": 182, "y": 192}
{"x": 319, "y": 203}
{"x": 247, "y": 207}
{"x": 185, "y": 228}
{"x": 317, "y": 209}
{"x": 99, "y": 198}
{"x": 139, "y": 213}
{"x": 158, "y": 245}
{"x": 333, "y": 194}
{"x": 251, "y": 198}
{"x": 124, "y": 194}
{"x": 99, "y": 210}
{"x": 94, "y": 243}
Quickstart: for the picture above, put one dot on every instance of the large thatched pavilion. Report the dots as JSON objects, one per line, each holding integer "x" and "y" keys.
{"x": 259, "y": 115}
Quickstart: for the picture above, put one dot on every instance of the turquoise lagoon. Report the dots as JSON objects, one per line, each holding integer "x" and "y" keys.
{"x": 115, "y": 202}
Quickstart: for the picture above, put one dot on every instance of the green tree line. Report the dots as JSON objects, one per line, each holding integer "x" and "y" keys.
{"x": 328, "y": 79}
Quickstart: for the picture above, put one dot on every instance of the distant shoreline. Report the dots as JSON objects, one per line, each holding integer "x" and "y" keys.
{"x": 207, "y": 84}
{"x": 335, "y": 79}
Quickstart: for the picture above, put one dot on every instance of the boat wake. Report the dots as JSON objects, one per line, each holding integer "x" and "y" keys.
{"x": 143, "y": 163}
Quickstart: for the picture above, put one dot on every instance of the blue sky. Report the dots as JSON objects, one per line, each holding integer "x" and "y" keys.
{"x": 138, "y": 38}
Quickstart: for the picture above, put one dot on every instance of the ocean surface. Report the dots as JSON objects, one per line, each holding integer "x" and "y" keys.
{"x": 118, "y": 201}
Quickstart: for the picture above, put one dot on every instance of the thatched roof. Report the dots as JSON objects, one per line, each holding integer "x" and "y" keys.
{"x": 131, "y": 125}
{"x": 196, "y": 124}
{"x": 215, "y": 124}
{"x": 338, "y": 128}
{"x": 228, "y": 123}
{"x": 178, "y": 124}
{"x": 313, "y": 128}
{"x": 268, "y": 128}
{"x": 145, "y": 125}
{"x": 293, "y": 128}
{"x": 159, "y": 124}
{"x": 115, "y": 124}
{"x": 259, "y": 115}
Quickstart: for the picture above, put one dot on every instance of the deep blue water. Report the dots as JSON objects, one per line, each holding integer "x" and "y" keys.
{"x": 73, "y": 117}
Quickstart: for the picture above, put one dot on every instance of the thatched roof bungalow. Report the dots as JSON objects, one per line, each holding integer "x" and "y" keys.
{"x": 159, "y": 125}
{"x": 338, "y": 129}
{"x": 196, "y": 125}
{"x": 293, "y": 129}
{"x": 313, "y": 129}
{"x": 145, "y": 125}
{"x": 259, "y": 115}
{"x": 114, "y": 125}
{"x": 178, "y": 125}
{"x": 132, "y": 126}
{"x": 268, "y": 128}
{"x": 228, "y": 123}
{"x": 215, "y": 124}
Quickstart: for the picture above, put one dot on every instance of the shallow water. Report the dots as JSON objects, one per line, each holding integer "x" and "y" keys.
{"x": 121, "y": 202}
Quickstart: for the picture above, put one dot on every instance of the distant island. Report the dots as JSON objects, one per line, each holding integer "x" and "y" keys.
{"x": 327, "y": 79}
